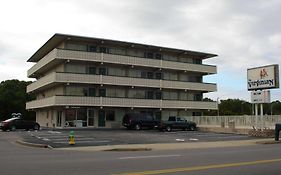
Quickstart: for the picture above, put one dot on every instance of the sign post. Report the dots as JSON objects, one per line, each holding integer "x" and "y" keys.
{"x": 258, "y": 79}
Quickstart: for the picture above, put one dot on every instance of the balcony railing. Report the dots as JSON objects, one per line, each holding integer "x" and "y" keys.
{"x": 60, "y": 77}
{"x": 118, "y": 102}
{"x": 60, "y": 54}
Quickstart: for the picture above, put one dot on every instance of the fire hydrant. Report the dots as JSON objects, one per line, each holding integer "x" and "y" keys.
{"x": 71, "y": 138}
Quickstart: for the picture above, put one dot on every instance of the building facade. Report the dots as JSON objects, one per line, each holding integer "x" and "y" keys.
{"x": 92, "y": 82}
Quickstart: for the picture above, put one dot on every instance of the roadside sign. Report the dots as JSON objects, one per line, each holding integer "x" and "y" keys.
{"x": 265, "y": 77}
{"x": 260, "y": 96}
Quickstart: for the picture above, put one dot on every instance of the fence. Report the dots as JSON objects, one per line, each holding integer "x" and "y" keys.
{"x": 246, "y": 121}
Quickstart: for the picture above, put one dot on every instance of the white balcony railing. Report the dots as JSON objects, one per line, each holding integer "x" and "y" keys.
{"x": 115, "y": 80}
{"x": 118, "y": 102}
{"x": 61, "y": 54}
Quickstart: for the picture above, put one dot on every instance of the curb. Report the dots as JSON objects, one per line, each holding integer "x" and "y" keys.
{"x": 36, "y": 145}
{"x": 268, "y": 142}
{"x": 168, "y": 146}
{"x": 129, "y": 149}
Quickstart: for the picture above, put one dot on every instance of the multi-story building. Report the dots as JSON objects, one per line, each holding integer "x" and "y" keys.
{"x": 93, "y": 82}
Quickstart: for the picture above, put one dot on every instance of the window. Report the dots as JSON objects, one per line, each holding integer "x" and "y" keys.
{"x": 149, "y": 95}
{"x": 85, "y": 91}
{"x": 150, "y": 75}
{"x": 92, "y": 70}
{"x": 158, "y": 56}
{"x": 158, "y": 75}
{"x": 102, "y": 71}
{"x": 102, "y": 92}
{"x": 158, "y": 95}
{"x": 74, "y": 90}
{"x": 149, "y": 55}
{"x": 197, "y": 113}
{"x": 197, "y": 97}
{"x": 143, "y": 74}
{"x": 197, "y": 61}
{"x": 120, "y": 92}
{"x": 183, "y": 95}
{"x": 92, "y": 48}
{"x": 198, "y": 79}
{"x": 110, "y": 116}
{"x": 173, "y": 95}
{"x": 75, "y": 68}
{"x": 111, "y": 92}
{"x": 103, "y": 50}
{"x": 92, "y": 92}
{"x": 73, "y": 46}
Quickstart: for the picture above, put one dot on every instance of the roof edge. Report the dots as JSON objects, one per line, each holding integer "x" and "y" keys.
{"x": 57, "y": 38}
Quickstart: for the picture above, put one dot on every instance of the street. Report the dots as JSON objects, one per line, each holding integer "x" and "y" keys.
{"x": 257, "y": 159}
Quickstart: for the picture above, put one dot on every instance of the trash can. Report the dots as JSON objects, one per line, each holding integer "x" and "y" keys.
{"x": 277, "y": 131}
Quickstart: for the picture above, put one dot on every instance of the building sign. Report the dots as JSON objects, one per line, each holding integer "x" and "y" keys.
{"x": 265, "y": 77}
{"x": 260, "y": 96}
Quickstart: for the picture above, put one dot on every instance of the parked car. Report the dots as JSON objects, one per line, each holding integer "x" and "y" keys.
{"x": 138, "y": 121}
{"x": 175, "y": 122}
{"x": 18, "y": 123}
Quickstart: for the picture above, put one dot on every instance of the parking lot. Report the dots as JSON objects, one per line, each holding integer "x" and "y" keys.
{"x": 99, "y": 137}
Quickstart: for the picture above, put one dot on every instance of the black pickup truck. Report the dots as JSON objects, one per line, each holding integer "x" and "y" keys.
{"x": 176, "y": 123}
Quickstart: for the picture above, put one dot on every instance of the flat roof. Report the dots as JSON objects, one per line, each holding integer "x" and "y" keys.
{"x": 58, "y": 38}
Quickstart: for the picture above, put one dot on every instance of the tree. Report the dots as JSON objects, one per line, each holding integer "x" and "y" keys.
{"x": 275, "y": 107}
{"x": 241, "y": 107}
{"x": 13, "y": 98}
{"x": 235, "y": 107}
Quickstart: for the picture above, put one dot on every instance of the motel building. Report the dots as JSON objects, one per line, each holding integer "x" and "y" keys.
{"x": 93, "y": 82}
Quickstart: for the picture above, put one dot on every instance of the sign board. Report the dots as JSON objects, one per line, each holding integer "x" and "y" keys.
{"x": 260, "y": 96}
{"x": 265, "y": 77}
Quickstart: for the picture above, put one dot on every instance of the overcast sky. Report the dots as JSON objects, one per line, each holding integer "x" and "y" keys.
{"x": 243, "y": 33}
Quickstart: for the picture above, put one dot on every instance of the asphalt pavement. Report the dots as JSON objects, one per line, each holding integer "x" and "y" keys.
{"x": 102, "y": 137}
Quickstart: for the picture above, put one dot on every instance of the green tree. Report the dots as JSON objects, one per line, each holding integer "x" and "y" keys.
{"x": 275, "y": 107}
{"x": 13, "y": 98}
{"x": 235, "y": 107}
{"x": 241, "y": 107}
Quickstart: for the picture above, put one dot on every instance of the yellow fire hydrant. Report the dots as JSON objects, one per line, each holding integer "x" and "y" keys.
{"x": 71, "y": 138}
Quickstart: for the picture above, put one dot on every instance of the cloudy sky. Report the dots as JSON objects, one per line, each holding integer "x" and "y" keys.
{"x": 243, "y": 33}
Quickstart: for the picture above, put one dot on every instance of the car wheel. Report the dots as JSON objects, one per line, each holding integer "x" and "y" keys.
{"x": 36, "y": 127}
{"x": 192, "y": 128}
{"x": 137, "y": 127}
{"x": 13, "y": 128}
{"x": 169, "y": 128}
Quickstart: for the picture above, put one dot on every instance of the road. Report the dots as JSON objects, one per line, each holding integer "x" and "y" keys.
{"x": 250, "y": 160}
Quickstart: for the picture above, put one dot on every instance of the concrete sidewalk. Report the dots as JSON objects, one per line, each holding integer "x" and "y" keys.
{"x": 171, "y": 146}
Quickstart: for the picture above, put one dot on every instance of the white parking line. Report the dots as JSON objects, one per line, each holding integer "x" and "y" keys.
{"x": 66, "y": 138}
{"x": 54, "y": 132}
{"x": 147, "y": 157}
{"x": 85, "y": 141}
